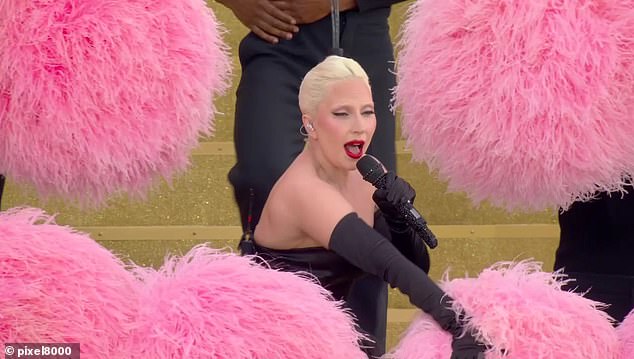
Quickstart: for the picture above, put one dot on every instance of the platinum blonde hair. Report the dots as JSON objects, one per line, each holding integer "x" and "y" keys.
{"x": 331, "y": 70}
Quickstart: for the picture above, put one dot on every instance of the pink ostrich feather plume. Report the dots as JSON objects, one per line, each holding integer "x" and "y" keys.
{"x": 625, "y": 332}
{"x": 103, "y": 97}
{"x": 210, "y": 304}
{"x": 60, "y": 286}
{"x": 527, "y": 104}
{"x": 521, "y": 313}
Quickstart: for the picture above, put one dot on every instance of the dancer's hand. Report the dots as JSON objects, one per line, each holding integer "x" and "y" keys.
{"x": 309, "y": 11}
{"x": 264, "y": 18}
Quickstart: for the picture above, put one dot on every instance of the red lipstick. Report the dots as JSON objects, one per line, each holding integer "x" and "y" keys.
{"x": 354, "y": 149}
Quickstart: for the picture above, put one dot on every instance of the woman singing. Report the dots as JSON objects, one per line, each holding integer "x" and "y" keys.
{"x": 322, "y": 217}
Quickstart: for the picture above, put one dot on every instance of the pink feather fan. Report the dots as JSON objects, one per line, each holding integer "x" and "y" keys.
{"x": 60, "y": 286}
{"x": 210, "y": 304}
{"x": 102, "y": 97}
{"x": 626, "y": 336}
{"x": 521, "y": 313}
{"x": 527, "y": 104}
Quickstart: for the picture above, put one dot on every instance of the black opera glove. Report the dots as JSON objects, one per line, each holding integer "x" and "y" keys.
{"x": 405, "y": 240}
{"x": 463, "y": 344}
{"x": 390, "y": 198}
{"x": 365, "y": 248}
{"x": 467, "y": 347}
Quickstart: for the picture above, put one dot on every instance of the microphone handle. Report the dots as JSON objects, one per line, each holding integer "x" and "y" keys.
{"x": 418, "y": 224}
{"x": 411, "y": 216}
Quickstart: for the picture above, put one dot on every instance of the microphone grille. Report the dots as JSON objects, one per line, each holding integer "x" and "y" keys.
{"x": 370, "y": 168}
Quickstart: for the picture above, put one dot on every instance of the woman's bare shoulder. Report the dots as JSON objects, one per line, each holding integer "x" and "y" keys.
{"x": 298, "y": 202}
{"x": 297, "y": 184}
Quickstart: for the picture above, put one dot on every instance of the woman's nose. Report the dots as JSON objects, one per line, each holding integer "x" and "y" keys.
{"x": 360, "y": 124}
{"x": 358, "y": 129}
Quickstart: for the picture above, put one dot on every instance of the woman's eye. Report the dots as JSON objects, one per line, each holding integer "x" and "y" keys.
{"x": 340, "y": 114}
{"x": 368, "y": 113}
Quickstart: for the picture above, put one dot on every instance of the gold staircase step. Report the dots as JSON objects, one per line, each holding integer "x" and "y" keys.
{"x": 203, "y": 196}
{"x": 462, "y": 248}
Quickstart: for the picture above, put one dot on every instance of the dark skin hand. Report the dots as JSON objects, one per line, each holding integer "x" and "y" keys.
{"x": 273, "y": 20}
{"x": 265, "y": 19}
{"x": 309, "y": 11}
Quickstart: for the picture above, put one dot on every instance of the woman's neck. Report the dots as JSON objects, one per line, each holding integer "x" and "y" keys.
{"x": 337, "y": 177}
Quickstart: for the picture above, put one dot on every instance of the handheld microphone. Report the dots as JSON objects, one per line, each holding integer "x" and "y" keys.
{"x": 374, "y": 172}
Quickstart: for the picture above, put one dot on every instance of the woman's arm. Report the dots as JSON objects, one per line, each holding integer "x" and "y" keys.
{"x": 366, "y": 249}
{"x": 327, "y": 217}
{"x": 405, "y": 240}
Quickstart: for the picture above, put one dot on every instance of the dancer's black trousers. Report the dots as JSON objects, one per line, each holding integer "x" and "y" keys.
{"x": 597, "y": 249}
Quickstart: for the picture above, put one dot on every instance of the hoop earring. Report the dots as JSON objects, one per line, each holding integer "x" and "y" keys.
{"x": 303, "y": 131}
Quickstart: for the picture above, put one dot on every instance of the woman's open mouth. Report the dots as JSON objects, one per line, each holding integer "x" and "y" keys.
{"x": 354, "y": 149}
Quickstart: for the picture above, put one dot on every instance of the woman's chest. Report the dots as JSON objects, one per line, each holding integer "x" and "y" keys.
{"x": 360, "y": 198}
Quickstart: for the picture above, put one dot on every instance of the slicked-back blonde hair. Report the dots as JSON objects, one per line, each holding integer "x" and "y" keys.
{"x": 330, "y": 70}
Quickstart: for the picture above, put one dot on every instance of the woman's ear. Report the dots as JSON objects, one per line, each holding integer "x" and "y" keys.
{"x": 308, "y": 125}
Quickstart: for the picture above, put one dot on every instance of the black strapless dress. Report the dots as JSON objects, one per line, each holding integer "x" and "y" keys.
{"x": 333, "y": 272}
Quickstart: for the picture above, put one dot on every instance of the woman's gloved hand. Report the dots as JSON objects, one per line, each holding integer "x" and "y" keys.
{"x": 467, "y": 347}
{"x": 390, "y": 198}
{"x": 464, "y": 345}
